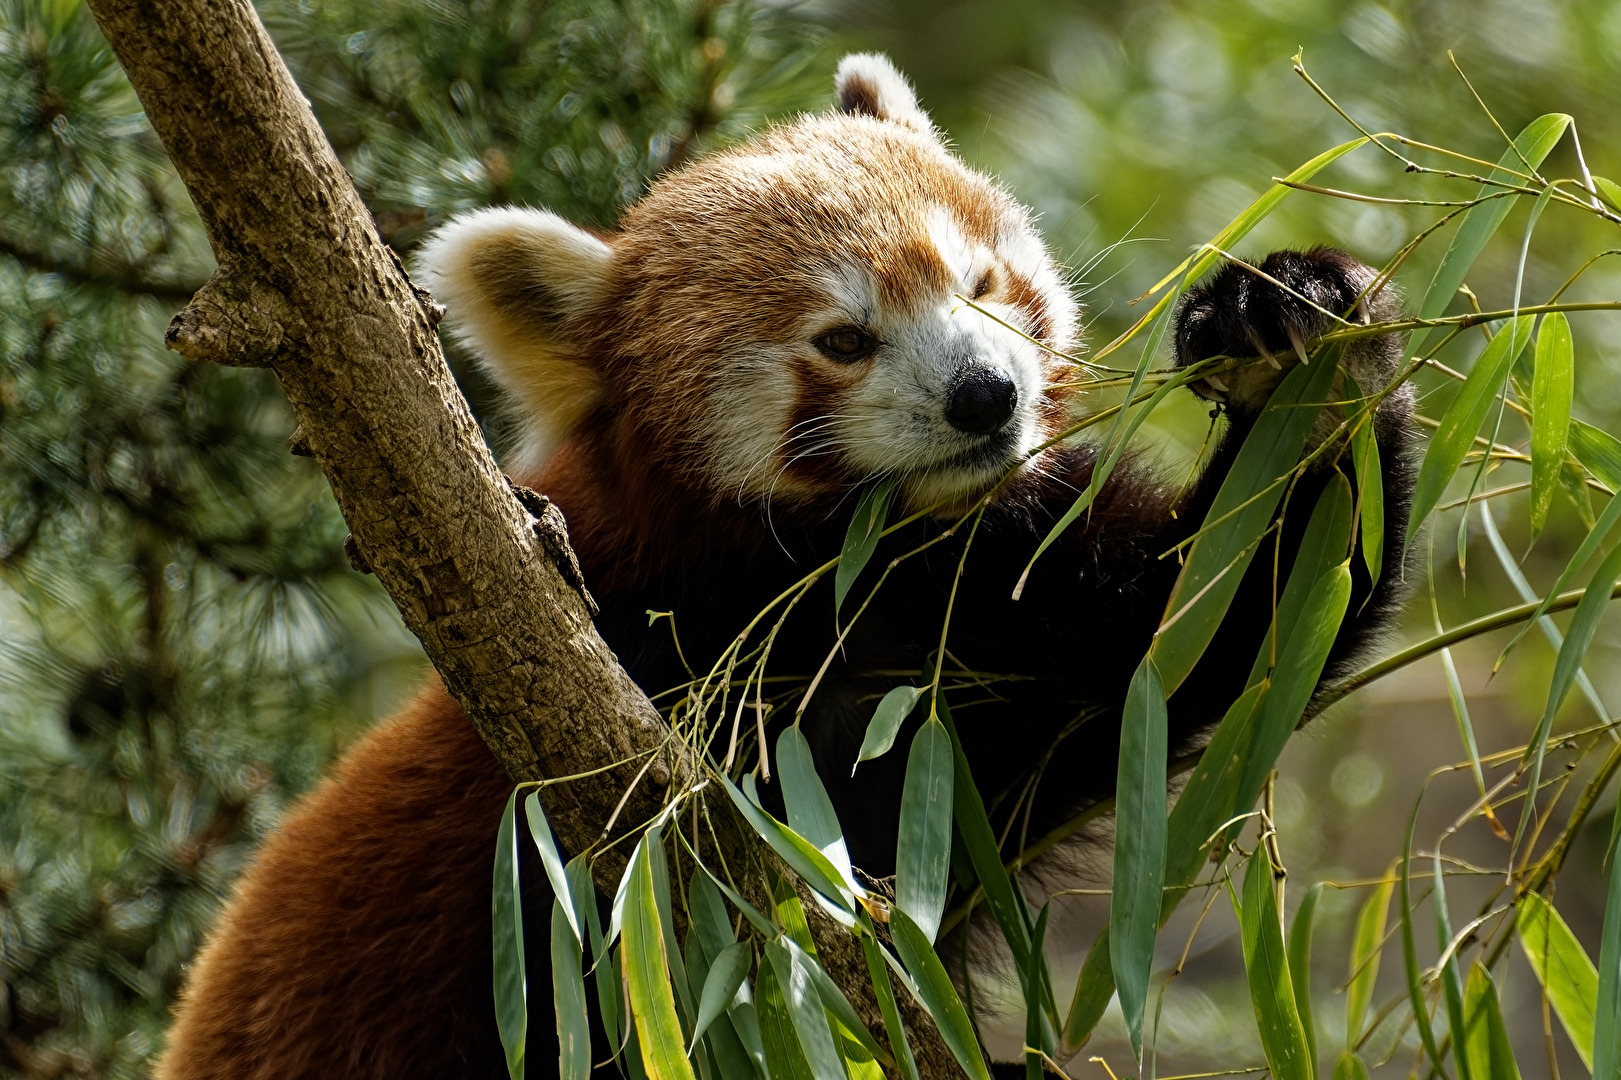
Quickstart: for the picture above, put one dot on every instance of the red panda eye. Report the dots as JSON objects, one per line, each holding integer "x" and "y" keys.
{"x": 846, "y": 344}
{"x": 983, "y": 286}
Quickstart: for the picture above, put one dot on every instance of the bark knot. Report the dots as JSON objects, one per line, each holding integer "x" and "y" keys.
{"x": 235, "y": 319}
{"x": 552, "y": 532}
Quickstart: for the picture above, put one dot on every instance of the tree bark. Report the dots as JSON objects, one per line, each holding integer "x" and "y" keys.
{"x": 483, "y": 577}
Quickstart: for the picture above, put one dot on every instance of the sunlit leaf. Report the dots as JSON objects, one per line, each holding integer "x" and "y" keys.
{"x": 834, "y": 1001}
{"x": 647, "y": 976}
{"x": 1370, "y": 490}
{"x": 1272, "y": 993}
{"x": 1350, "y": 1067}
{"x": 935, "y": 991}
{"x": 1531, "y": 145}
{"x": 923, "y": 850}
{"x": 540, "y": 831}
{"x": 807, "y": 861}
{"x": 886, "y": 723}
{"x": 568, "y": 999}
{"x": 1461, "y": 422}
{"x": 1562, "y": 967}
{"x": 1139, "y": 848}
{"x": 1366, "y": 945}
{"x": 1486, "y": 1045}
{"x": 861, "y": 540}
{"x": 1551, "y": 393}
{"x": 511, "y": 986}
{"x": 804, "y": 1008}
{"x": 810, "y": 811}
{"x": 1609, "y": 190}
{"x": 785, "y": 1058}
{"x": 878, "y": 972}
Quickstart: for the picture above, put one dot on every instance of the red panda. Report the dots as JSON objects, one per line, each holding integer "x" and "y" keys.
{"x": 701, "y": 393}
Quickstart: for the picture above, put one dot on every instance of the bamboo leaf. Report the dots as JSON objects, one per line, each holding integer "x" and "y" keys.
{"x": 1241, "y": 514}
{"x": 878, "y": 971}
{"x": 1037, "y": 1034}
{"x": 834, "y": 1001}
{"x": 1598, "y": 451}
{"x": 1283, "y": 1037}
{"x": 1139, "y": 848}
{"x": 923, "y": 852}
{"x": 1610, "y": 190}
{"x": 511, "y": 986}
{"x": 803, "y": 856}
{"x": 1486, "y": 1042}
{"x": 606, "y": 971}
{"x": 1532, "y": 145}
{"x": 1562, "y": 967}
{"x": 540, "y": 831}
{"x": 1300, "y": 965}
{"x": 725, "y": 975}
{"x": 1606, "y": 1058}
{"x": 974, "y": 825}
{"x": 938, "y": 996}
{"x": 810, "y": 811}
{"x": 805, "y": 1012}
{"x": 861, "y": 540}
{"x": 647, "y": 976}
{"x": 785, "y": 1058}
{"x": 886, "y": 722}
{"x": 568, "y": 998}
{"x": 1370, "y": 489}
{"x": 708, "y": 914}
{"x": 1093, "y": 989}
{"x": 1451, "y": 982}
{"x": 1350, "y": 1067}
{"x": 1409, "y": 946}
{"x": 1552, "y": 389}
{"x": 1211, "y": 794}
{"x": 1461, "y": 422}
{"x": 1366, "y": 945}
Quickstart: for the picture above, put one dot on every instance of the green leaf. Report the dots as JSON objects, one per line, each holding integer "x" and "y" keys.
{"x": 878, "y": 971}
{"x": 1455, "y": 436}
{"x": 1366, "y": 945}
{"x": 1239, "y": 517}
{"x": 540, "y": 830}
{"x": 923, "y": 851}
{"x": 805, "y": 859}
{"x": 886, "y": 722}
{"x": 647, "y": 976}
{"x": 1562, "y": 967}
{"x": 1093, "y": 989}
{"x": 1409, "y": 946}
{"x": 974, "y": 826}
{"x": 1607, "y": 1009}
{"x": 1552, "y": 389}
{"x": 511, "y": 985}
{"x": 1370, "y": 489}
{"x": 1300, "y": 965}
{"x": 861, "y": 540}
{"x": 1139, "y": 846}
{"x": 1283, "y": 1037}
{"x": 810, "y": 811}
{"x": 1598, "y": 451}
{"x": 1451, "y": 981}
{"x": 1350, "y": 1067}
{"x": 1486, "y": 1044}
{"x": 1480, "y": 222}
{"x": 804, "y": 1008}
{"x": 1609, "y": 190}
{"x": 1037, "y": 1034}
{"x": 568, "y": 998}
{"x": 785, "y": 1058}
{"x": 708, "y": 915}
{"x": 834, "y": 1001}
{"x": 935, "y": 991}
{"x": 606, "y": 971}
{"x": 725, "y": 975}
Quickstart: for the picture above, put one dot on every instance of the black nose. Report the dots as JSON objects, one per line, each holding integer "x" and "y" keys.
{"x": 981, "y": 400}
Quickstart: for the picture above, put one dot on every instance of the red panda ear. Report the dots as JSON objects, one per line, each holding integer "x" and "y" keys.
{"x": 513, "y": 282}
{"x": 869, "y": 85}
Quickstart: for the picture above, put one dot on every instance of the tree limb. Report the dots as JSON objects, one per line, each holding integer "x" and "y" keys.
{"x": 307, "y": 288}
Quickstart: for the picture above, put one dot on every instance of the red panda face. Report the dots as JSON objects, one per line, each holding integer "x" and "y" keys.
{"x": 835, "y": 300}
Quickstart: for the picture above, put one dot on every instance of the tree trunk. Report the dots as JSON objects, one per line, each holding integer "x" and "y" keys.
{"x": 306, "y": 287}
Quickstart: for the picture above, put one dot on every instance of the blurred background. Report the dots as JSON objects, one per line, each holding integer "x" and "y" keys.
{"x": 183, "y": 647}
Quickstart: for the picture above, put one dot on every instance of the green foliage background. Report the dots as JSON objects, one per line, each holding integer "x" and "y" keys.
{"x": 182, "y": 645}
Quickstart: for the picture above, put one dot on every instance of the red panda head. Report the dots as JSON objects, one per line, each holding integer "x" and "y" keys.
{"x": 782, "y": 320}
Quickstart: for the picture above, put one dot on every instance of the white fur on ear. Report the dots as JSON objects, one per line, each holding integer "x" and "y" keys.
{"x": 511, "y": 279}
{"x": 868, "y": 85}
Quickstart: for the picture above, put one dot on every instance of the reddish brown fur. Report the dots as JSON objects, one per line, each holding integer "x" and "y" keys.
{"x": 368, "y": 909}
